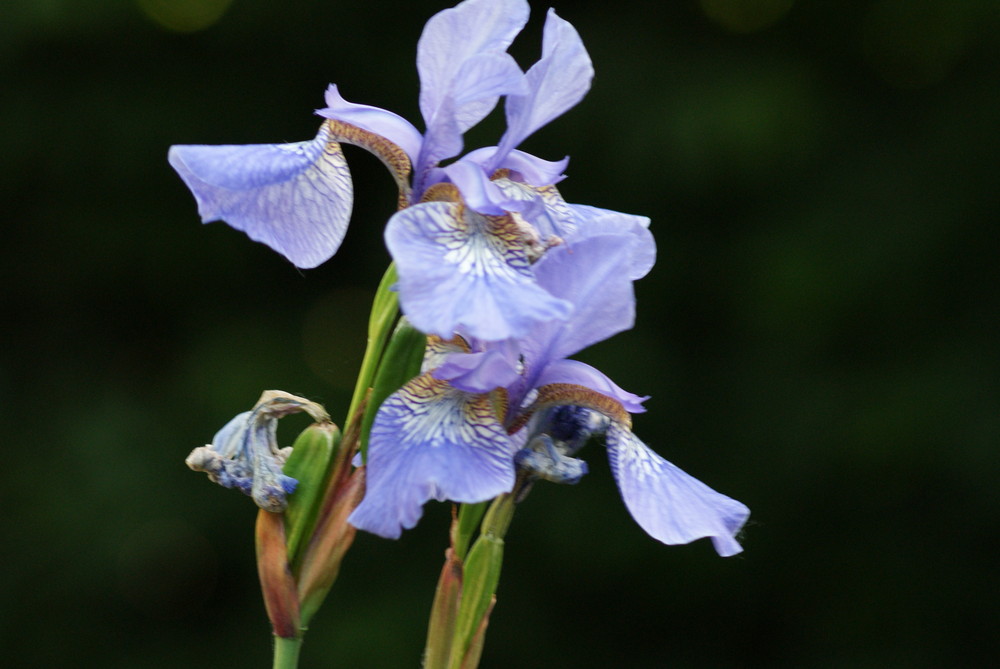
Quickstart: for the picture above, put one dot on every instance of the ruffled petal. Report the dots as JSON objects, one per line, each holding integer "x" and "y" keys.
{"x": 431, "y": 441}
{"x": 559, "y": 80}
{"x": 459, "y": 271}
{"x": 671, "y": 505}
{"x": 295, "y": 198}
{"x": 382, "y": 122}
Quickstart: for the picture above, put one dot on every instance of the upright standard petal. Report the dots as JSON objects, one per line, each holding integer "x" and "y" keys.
{"x": 471, "y": 95}
{"x": 480, "y": 82}
{"x": 559, "y": 80}
{"x": 454, "y": 36}
{"x": 295, "y": 198}
{"x": 671, "y": 505}
{"x": 460, "y": 271}
{"x": 593, "y": 276}
{"x": 431, "y": 441}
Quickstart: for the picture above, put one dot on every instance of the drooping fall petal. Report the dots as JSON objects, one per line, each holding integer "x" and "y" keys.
{"x": 670, "y": 504}
{"x": 295, "y": 198}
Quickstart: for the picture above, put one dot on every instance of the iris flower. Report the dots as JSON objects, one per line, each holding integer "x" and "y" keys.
{"x": 480, "y": 410}
{"x": 297, "y": 198}
{"x": 467, "y": 233}
{"x": 508, "y": 277}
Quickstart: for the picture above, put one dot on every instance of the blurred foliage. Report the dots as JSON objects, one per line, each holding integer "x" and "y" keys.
{"x": 819, "y": 335}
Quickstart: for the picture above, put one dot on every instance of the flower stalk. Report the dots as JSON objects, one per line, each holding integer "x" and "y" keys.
{"x": 385, "y": 310}
{"x": 286, "y": 652}
{"x": 466, "y": 592}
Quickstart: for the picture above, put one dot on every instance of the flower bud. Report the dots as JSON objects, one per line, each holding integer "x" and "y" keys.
{"x": 309, "y": 462}
{"x": 245, "y": 455}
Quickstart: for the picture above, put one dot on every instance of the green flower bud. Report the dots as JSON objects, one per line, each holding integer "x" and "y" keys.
{"x": 308, "y": 463}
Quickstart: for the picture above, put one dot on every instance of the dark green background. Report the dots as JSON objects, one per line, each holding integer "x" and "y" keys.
{"x": 819, "y": 335}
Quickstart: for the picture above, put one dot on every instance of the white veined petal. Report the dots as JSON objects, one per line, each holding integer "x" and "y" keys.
{"x": 431, "y": 441}
{"x": 671, "y": 505}
{"x": 454, "y": 36}
{"x": 295, "y": 198}
{"x": 460, "y": 271}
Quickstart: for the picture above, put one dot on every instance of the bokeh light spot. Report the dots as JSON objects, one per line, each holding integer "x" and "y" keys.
{"x": 745, "y": 16}
{"x": 185, "y": 16}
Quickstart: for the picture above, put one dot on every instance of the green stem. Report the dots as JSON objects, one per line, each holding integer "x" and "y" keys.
{"x": 499, "y": 515}
{"x": 469, "y": 517}
{"x": 385, "y": 309}
{"x": 481, "y": 565}
{"x": 286, "y": 652}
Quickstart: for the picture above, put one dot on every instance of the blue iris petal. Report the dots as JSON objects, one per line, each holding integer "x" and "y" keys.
{"x": 460, "y": 271}
{"x": 431, "y": 441}
{"x": 295, "y": 198}
{"x": 671, "y": 505}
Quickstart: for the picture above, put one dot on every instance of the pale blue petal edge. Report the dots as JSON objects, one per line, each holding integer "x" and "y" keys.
{"x": 376, "y": 120}
{"x": 669, "y": 504}
{"x": 558, "y": 81}
{"x": 533, "y": 169}
{"x": 593, "y": 221}
{"x": 454, "y": 275}
{"x": 593, "y": 276}
{"x": 582, "y": 374}
{"x": 428, "y": 442}
{"x": 295, "y": 198}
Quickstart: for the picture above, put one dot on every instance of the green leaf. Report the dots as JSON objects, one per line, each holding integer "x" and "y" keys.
{"x": 479, "y": 583}
{"x": 444, "y": 613}
{"x": 469, "y": 517}
{"x": 400, "y": 363}
{"x": 385, "y": 308}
